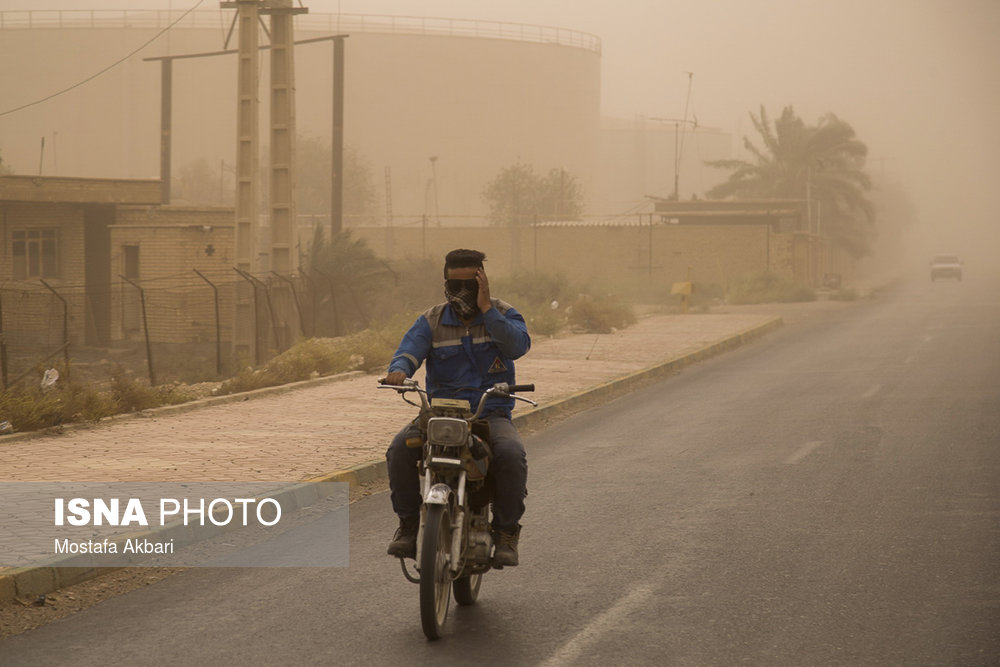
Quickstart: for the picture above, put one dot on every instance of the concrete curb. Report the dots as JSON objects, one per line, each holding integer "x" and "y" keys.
{"x": 30, "y": 581}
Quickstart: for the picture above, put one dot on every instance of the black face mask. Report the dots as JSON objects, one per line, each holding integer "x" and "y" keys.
{"x": 463, "y": 296}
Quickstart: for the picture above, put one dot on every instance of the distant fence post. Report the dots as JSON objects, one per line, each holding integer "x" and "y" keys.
{"x": 3, "y": 347}
{"x": 218, "y": 325}
{"x": 145, "y": 327}
{"x": 295, "y": 299}
{"x": 333, "y": 301}
{"x": 270, "y": 308}
{"x": 257, "y": 347}
{"x": 312, "y": 301}
{"x": 65, "y": 337}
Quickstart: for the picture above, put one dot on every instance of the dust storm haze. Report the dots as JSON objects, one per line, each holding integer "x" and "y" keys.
{"x": 918, "y": 80}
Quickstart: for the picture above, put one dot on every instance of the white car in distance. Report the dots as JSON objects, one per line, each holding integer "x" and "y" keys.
{"x": 946, "y": 266}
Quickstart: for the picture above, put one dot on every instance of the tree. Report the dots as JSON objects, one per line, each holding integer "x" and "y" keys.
{"x": 824, "y": 163}
{"x": 518, "y": 196}
{"x": 5, "y": 167}
{"x": 353, "y": 276}
{"x": 199, "y": 182}
{"x": 313, "y": 179}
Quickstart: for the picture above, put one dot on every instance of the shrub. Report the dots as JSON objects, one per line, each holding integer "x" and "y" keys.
{"x": 540, "y": 297}
{"x": 33, "y": 409}
{"x": 845, "y": 294}
{"x": 369, "y": 351}
{"x": 533, "y": 287}
{"x": 600, "y": 315}
{"x": 248, "y": 379}
{"x": 372, "y": 350}
{"x": 544, "y": 320}
{"x": 766, "y": 287}
{"x": 305, "y": 358}
{"x": 131, "y": 394}
{"x": 703, "y": 294}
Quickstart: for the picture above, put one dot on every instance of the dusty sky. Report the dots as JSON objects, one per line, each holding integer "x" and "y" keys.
{"x": 918, "y": 79}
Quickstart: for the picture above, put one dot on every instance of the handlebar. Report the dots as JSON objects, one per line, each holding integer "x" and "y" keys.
{"x": 499, "y": 389}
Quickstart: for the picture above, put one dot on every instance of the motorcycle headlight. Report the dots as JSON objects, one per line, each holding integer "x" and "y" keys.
{"x": 447, "y": 431}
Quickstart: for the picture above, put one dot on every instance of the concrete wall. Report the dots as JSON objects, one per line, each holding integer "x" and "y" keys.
{"x": 613, "y": 254}
{"x": 620, "y": 254}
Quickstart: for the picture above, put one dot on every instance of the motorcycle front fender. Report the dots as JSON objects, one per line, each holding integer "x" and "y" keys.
{"x": 438, "y": 494}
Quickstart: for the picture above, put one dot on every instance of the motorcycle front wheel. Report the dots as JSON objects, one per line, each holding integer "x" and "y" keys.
{"x": 466, "y": 589}
{"x": 435, "y": 577}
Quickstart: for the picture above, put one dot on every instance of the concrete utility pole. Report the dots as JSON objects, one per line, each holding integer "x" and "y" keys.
{"x": 282, "y": 133}
{"x": 282, "y": 191}
{"x": 337, "y": 147}
{"x": 166, "y": 123}
{"x": 247, "y": 152}
{"x": 282, "y": 182}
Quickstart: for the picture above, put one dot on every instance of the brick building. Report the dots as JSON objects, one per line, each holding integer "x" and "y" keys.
{"x": 67, "y": 246}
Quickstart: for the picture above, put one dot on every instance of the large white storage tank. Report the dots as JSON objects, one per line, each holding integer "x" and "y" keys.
{"x": 477, "y": 95}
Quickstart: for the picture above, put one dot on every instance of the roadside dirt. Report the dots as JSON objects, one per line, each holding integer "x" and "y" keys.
{"x": 21, "y": 615}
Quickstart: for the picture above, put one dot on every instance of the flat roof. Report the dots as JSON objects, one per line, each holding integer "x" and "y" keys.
{"x": 67, "y": 189}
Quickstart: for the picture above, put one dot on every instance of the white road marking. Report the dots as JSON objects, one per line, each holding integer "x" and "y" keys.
{"x": 804, "y": 451}
{"x": 871, "y": 391}
{"x": 607, "y": 621}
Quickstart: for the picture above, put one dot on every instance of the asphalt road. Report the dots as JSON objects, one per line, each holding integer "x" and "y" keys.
{"x": 829, "y": 495}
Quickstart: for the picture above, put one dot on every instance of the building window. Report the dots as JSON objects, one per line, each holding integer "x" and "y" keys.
{"x": 35, "y": 253}
{"x": 130, "y": 261}
{"x": 131, "y": 306}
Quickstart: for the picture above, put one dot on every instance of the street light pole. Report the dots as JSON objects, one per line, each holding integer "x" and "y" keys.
{"x": 677, "y": 169}
{"x": 434, "y": 180}
{"x": 679, "y": 138}
{"x": 677, "y": 147}
{"x": 809, "y": 208}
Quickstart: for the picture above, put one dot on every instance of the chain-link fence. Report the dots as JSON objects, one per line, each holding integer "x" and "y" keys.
{"x": 175, "y": 328}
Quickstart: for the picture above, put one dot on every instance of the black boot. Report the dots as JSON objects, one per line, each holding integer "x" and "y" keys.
{"x": 506, "y": 549}
{"x": 404, "y": 542}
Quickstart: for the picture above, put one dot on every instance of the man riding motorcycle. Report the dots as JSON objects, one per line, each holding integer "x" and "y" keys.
{"x": 469, "y": 342}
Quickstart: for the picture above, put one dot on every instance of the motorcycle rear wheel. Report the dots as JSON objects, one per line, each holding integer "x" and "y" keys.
{"x": 435, "y": 577}
{"x": 466, "y": 589}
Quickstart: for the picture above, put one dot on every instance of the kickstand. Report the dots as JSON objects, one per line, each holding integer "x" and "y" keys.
{"x": 406, "y": 573}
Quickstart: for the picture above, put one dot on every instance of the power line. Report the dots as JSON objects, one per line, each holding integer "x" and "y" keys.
{"x": 109, "y": 67}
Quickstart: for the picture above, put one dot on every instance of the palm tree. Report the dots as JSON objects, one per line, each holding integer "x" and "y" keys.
{"x": 352, "y": 275}
{"x": 823, "y": 163}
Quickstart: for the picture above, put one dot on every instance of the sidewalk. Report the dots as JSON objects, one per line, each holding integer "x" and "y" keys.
{"x": 332, "y": 423}
{"x": 338, "y": 428}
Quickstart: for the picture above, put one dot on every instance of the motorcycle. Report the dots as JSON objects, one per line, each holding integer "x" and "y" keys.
{"x": 454, "y": 542}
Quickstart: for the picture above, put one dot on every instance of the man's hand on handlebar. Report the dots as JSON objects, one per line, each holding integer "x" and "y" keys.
{"x": 395, "y": 378}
